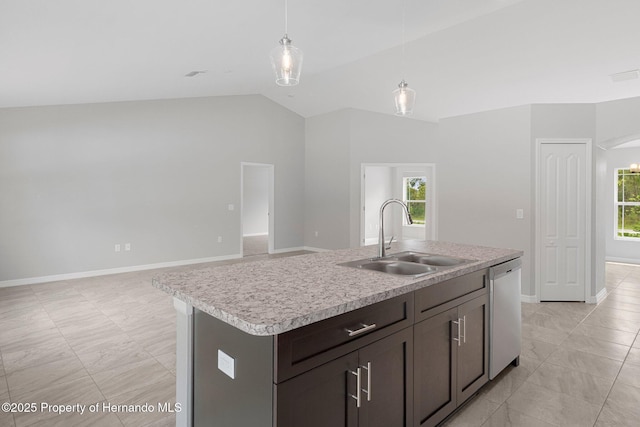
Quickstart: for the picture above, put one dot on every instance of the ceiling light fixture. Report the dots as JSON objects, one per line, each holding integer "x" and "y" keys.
{"x": 404, "y": 97}
{"x": 286, "y": 59}
{"x": 634, "y": 168}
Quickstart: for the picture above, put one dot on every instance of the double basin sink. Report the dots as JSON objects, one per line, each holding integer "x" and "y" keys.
{"x": 414, "y": 264}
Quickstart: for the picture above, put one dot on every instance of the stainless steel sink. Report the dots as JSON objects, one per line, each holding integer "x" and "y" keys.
{"x": 429, "y": 259}
{"x": 413, "y": 264}
{"x": 403, "y": 268}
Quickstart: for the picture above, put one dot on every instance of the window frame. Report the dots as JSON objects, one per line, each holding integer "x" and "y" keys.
{"x": 407, "y": 201}
{"x": 617, "y": 204}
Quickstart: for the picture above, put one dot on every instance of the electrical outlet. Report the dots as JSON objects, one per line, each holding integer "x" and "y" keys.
{"x": 127, "y": 247}
{"x": 219, "y": 239}
{"x": 519, "y": 213}
{"x": 117, "y": 247}
{"x": 231, "y": 207}
{"x": 227, "y": 364}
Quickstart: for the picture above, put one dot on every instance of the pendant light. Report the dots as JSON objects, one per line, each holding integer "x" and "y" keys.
{"x": 404, "y": 97}
{"x": 634, "y": 168}
{"x": 286, "y": 59}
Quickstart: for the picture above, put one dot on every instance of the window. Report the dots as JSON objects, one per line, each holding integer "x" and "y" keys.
{"x": 628, "y": 205}
{"x": 415, "y": 188}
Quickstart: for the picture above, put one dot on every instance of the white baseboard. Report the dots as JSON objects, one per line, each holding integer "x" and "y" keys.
{"x": 623, "y": 260}
{"x": 598, "y": 298}
{"x": 312, "y": 249}
{"x": 130, "y": 269}
{"x": 531, "y": 299}
{"x": 255, "y": 234}
{"x": 284, "y": 250}
{"x": 105, "y": 272}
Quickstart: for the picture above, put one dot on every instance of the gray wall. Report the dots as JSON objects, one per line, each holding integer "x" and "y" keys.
{"x": 336, "y": 145}
{"x": 326, "y": 199}
{"x": 382, "y": 138}
{"x": 75, "y": 180}
{"x": 484, "y": 175}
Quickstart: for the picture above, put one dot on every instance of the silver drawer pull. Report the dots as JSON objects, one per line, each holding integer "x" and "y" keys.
{"x": 464, "y": 329}
{"x": 457, "y": 322}
{"x": 358, "y": 396}
{"x": 364, "y": 328}
{"x": 368, "y": 390}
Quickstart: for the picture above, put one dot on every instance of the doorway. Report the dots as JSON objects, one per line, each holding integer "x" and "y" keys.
{"x": 413, "y": 183}
{"x": 563, "y": 193}
{"x": 256, "y": 227}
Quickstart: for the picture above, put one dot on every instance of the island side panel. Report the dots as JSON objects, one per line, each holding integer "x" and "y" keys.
{"x": 184, "y": 362}
{"x": 218, "y": 399}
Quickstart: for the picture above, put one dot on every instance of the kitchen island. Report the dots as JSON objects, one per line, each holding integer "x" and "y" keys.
{"x": 254, "y": 338}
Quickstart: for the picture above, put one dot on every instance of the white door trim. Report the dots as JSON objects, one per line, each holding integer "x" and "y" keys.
{"x": 432, "y": 207}
{"x": 271, "y": 177}
{"x": 588, "y": 202}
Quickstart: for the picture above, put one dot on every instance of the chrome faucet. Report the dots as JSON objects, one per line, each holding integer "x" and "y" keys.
{"x": 382, "y": 248}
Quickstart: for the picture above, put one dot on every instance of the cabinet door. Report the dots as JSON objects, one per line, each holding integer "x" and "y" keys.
{"x": 434, "y": 367}
{"x": 473, "y": 354}
{"x": 320, "y": 397}
{"x": 388, "y": 399}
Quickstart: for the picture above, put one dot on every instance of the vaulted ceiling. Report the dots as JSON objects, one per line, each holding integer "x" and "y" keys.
{"x": 461, "y": 56}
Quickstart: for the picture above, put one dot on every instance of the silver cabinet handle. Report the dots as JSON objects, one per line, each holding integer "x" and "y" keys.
{"x": 358, "y": 387}
{"x": 364, "y": 328}
{"x": 457, "y": 322}
{"x": 464, "y": 329}
{"x": 368, "y": 390}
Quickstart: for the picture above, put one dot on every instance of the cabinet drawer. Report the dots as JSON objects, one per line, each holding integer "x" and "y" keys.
{"x": 449, "y": 290}
{"x": 310, "y": 346}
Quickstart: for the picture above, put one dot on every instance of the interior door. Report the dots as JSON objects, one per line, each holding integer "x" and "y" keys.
{"x": 563, "y": 208}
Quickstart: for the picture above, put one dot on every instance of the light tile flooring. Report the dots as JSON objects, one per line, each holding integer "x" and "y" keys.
{"x": 112, "y": 339}
{"x": 105, "y": 339}
{"x": 580, "y": 364}
{"x": 255, "y": 245}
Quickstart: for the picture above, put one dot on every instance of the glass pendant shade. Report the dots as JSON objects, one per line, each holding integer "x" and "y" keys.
{"x": 405, "y": 99}
{"x": 634, "y": 168}
{"x": 286, "y": 60}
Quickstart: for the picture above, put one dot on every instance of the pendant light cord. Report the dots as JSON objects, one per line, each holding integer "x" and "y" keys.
{"x": 402, "y": 54}
{"x": 286, "y": 18}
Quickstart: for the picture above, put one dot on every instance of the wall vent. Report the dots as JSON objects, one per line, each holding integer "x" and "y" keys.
{"x": 195, "y": 73}
{"x": 625, "y": 75}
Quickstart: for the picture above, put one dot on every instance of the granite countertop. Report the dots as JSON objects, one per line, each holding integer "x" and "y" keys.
{"x": 273, "y": 296}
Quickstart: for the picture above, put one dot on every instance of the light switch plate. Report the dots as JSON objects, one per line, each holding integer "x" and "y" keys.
{"x": 227, "y": 364}
{"x": 520, "y": 213}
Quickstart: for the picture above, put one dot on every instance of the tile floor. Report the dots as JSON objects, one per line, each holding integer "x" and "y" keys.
{"x": 580, "y": 364}
{"x": 255, "y": 245}
{"x": 111, "y": 339}
{"x": 89, "y": 341}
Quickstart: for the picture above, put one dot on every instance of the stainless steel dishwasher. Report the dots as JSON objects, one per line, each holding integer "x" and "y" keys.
{"x": 505, "y": 319}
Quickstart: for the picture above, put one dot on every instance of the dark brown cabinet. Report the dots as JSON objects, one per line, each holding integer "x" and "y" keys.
{"x": 371, "y": 387}
{"x": 320, "y": 397}
{"x": 409, "y": 361}
{"x": 451, "y": 359}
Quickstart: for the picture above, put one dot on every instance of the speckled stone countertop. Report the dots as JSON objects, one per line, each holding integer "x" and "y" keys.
{"x": 273, "y": 296}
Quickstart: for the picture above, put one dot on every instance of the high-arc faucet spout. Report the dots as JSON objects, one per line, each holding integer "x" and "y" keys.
{"x": 382, "y": 249}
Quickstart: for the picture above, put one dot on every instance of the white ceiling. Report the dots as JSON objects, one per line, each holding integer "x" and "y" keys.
{"x": 461, "y": 56}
